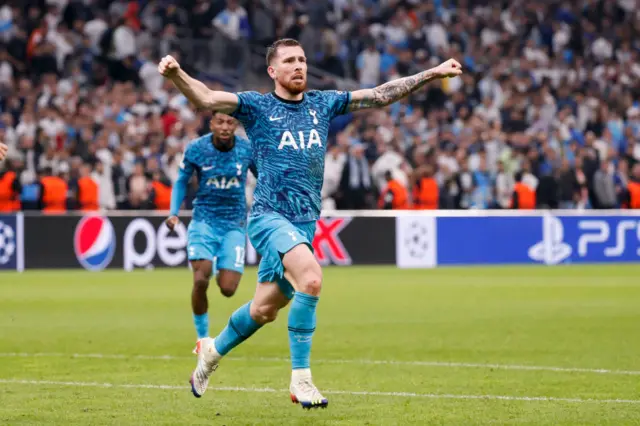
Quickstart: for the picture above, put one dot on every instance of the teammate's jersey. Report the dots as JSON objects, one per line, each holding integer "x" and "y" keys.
{"x": 222, "y": 176}
{"x": 289, "y": 140}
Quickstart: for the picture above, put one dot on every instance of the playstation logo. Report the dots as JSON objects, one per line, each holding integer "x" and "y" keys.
{"x": 552, "y": 250}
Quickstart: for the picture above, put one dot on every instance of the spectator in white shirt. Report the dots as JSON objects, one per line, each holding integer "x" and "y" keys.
{"x": 368, "y": 64}
{"x": 232, "y": 21}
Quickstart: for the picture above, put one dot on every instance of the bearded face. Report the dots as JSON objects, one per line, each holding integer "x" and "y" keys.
{"x": 289, "y": 69}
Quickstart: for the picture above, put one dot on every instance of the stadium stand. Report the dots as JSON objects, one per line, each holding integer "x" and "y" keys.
{"x": 547, "y": 114}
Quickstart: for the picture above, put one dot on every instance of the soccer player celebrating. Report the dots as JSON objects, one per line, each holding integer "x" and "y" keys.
{"x": 218, "y": 227}
{"x": 288, "y": 130}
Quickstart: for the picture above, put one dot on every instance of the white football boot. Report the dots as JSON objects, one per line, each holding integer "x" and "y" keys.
{"x": 304, "y": 392}
{"x": 208, "y": 358}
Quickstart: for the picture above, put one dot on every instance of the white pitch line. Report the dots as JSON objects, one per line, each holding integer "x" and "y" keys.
{"x": 340, "y": 361}
{"x": 331, "y": 392}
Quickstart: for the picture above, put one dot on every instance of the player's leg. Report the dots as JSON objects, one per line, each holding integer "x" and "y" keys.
{"x": 306, "y": 278}
{"x": 202, "y": 271}
{"x": 288, "y": 248}
{"x": 250, "y": 317}
{"x": 305, "y": 275}
{"x": 230, "y": 262}
{"x": 243, "y": 323}
{"x": 268, "y": 299}
{"x": 228, "y": 281}
{"x": 201, "y": 244}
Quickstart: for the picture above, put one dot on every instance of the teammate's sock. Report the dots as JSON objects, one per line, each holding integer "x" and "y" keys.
{"x": 302, "y": 324}
{"x": 202, "y": 325}
{"x": 241, "y": 326}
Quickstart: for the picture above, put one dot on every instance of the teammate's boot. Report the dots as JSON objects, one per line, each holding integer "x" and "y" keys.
{"x": 208, "y": 358}
{"x": 304, "y": 392}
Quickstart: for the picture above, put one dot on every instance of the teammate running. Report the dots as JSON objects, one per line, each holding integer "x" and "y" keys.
{"x": 218, "y": 227}
{"x": 288, "y": 130}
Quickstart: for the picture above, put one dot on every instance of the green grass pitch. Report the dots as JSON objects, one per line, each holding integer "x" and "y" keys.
{"x": 459, "y": 346}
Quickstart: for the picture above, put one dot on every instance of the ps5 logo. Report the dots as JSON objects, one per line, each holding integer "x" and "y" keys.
{"x": 599, "y": 232}
{"x": 553, "y": 250}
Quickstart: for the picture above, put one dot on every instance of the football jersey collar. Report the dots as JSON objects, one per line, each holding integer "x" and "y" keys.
{"x": 287, "y": 101}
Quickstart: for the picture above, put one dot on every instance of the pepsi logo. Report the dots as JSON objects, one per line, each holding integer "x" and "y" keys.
{"x": 94, "y": 242}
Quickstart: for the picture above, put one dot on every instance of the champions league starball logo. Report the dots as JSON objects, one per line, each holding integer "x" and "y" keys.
{"x": 417, "y": 240}
{"x": 7, "y": 243}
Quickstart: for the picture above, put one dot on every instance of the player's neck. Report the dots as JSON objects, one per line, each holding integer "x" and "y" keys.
{"x": 287, "y": 96}
{"x": 222, "y": 146}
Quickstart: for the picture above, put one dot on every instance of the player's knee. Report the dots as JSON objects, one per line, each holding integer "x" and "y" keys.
{"x": 303, "y": 267}
{"x": 263, "y": 314}
{"x": 311, "y": 282}
{"x": 228, "y": 282}
{"x": 200, "y": 281}
{"x": 228, "y": 288}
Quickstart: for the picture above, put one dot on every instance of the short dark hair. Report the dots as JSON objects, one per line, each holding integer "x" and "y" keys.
{"x": 272, "y": 50}
{"x": 216, "y": 112}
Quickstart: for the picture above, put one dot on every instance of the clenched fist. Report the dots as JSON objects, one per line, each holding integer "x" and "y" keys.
{"x": 168, "y": 66}
{"x": 172, "y": 221}
{"x": 3, "y": 151}
{"x": 450, "y": 68}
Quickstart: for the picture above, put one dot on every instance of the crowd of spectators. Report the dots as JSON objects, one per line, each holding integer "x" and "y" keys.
{"x": 546, "y": 115}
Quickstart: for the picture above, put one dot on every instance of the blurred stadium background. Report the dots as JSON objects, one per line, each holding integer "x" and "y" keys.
{"x": 439, "y": 316}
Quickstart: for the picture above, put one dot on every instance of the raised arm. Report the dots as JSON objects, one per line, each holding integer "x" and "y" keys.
{"x": 196, "y": 91}
{"x": 395, "y": 90}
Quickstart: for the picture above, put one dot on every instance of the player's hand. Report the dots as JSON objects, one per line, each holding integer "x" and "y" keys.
{"x": 172, "y": 221}
{"x": 3, "y": 151}
{"x": 168, "y": 66}
{"x": 450, "y": 68}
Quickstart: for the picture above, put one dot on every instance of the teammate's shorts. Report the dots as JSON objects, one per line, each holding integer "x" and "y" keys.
{"x": 223, "y": 246}
{"x": 273, "y": 236}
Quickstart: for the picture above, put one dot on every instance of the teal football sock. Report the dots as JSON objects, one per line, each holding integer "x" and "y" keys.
{"x": 302, "y": 324}
{"x": 201, "y": 323}
{"x": 240, "y": 327}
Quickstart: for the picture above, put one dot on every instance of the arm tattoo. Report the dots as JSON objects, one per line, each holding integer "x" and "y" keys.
{"x": 391, "y": 92}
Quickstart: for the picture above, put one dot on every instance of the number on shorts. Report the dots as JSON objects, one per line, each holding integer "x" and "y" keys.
{"x": 239, "y": 255}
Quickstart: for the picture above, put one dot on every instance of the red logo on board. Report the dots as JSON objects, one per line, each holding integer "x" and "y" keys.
{"x": 327, "y": 244}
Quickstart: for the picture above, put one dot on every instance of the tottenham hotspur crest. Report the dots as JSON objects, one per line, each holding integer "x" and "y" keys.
{"x": 313, "y": 114}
